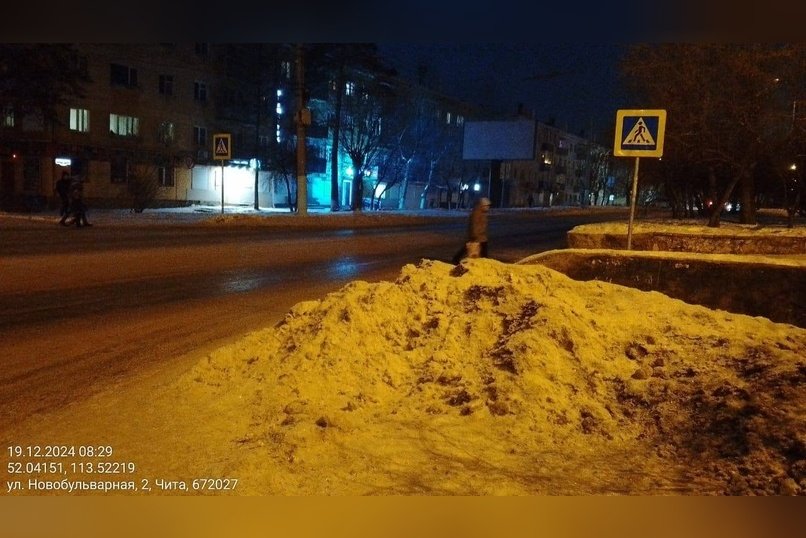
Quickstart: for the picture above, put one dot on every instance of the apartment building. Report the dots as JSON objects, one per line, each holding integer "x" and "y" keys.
{"x": 145, "y": 126}
{"x": 560, "y": 174}
{"x": 146, "y": 121}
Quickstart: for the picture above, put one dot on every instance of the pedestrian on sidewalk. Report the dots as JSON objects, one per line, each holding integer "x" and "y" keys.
{"x": 476, "y": 244}
{"x": 62, "y": 189}
{"x": 78, "y": 208}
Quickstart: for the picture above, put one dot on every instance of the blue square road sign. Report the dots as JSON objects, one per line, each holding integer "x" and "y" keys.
{"x": 639, "y": 133}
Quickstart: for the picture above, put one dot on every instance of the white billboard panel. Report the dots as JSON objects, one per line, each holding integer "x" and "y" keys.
{"x": 499, "y": 140}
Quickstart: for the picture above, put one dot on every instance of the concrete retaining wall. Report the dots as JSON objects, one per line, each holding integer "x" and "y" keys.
{"x": 774, "y": 291}
{"x": 728, "y": 244}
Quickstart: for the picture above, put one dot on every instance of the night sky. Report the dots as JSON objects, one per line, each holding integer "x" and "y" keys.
{"x": 576, "y": 84}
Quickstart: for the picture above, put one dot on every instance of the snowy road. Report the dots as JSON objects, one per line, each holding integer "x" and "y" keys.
{"x": 81, "y": 313}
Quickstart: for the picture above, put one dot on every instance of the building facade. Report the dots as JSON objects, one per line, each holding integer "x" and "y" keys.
{"x": 565, "y": 171}
{"x": 141, "y": 135}
{"x": 144, "y": 123}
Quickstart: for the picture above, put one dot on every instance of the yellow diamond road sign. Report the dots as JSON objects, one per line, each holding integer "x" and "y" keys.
{"x": 639, "y": 133}
{"x": 222, "y": 147}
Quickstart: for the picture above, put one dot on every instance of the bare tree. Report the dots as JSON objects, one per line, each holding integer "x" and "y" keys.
{"x": 362, "y": 133}
{"x": 725, "y": 103}
{"x": 417, "y": 132}
{"x": 332, "y": 67}
{"x": 389, "y": 174}
{"x": 282, "y": 163}
{"x": 599, "y": 159}
{"x": 39, "y": 78}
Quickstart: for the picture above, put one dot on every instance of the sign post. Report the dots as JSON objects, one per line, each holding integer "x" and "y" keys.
{"x": 222, "y": 151}
{"x": 639, "y": 133}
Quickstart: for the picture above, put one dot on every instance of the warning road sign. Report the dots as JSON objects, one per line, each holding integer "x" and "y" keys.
{"x": 222, "y": 147}
{"x": 639, "y": 133}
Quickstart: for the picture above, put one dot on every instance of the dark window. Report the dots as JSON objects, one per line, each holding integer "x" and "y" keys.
{"x": 166, "y": 84}
{"x": 79, "y": 63}
{"x": 202, "y": 48}
{"x": 123, "y": 75}
{"x": 119, "y": 170}
{"x": 200, "y": 135}
{"x": 200, "y": 91}
{"x": 31, "y": 174}
{"x": 165, "y": 176}
{"x": 79, "y": 168}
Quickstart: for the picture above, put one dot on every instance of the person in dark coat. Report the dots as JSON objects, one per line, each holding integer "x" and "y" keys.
{"x": 62, "y": 189}
{"x": 476, "y": 232}
{"x": 77, "y": 207}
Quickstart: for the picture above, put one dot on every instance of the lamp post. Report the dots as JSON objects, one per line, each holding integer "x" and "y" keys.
{"x": 303, "y": 118}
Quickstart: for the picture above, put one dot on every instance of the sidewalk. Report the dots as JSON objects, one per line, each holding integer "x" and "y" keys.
{"x": 315, "y": 218}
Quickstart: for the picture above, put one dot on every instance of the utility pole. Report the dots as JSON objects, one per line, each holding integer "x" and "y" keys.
{"x": 303, "y": 118}
{"x": 259, "y": 68}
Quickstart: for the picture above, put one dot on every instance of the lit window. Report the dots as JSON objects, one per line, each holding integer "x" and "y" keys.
{"x": 8, "y": 117}
{"x": 448, "y": 118}
{"x": 124, "y": 125}
{"x": 349, "y": 88}
{"x": 79, "y": 120}
{"x": 279, "y": 108}
{"x": 285, "y": 68}
{"x": 167, "y": 132}
{"x": 460, "y": 120}
{"x": 278, "y": 135}
{"x": 200, "y": 91}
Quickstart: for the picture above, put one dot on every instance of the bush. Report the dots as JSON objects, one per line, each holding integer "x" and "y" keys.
{"x": 142, "y": 191}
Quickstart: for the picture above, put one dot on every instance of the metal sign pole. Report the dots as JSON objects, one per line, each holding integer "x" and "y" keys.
{"x": 222, "y": 150}
{"x": 632, "y": 203}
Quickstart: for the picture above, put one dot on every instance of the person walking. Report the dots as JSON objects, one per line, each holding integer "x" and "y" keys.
{"x": 476, "y": 244}
{"x": 77, "y": 207}
{"x": 62, "y": 189}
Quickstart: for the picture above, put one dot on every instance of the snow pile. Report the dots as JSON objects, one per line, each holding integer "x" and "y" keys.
{"x": 691, "y": 227}
{"x": 489, "y": 378}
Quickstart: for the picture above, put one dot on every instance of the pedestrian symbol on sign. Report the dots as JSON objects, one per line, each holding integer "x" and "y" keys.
{"x": 639, "y": 135}
{"x": 222, "y": 149}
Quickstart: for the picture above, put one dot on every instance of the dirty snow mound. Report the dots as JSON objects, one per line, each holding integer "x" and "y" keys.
{"x": 490, "y": 378}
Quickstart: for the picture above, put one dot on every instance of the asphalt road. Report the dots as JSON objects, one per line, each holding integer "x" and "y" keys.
{"x": 83, "y": 309}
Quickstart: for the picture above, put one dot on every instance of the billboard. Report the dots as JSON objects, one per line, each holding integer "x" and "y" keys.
{"x": 499, "y": 140}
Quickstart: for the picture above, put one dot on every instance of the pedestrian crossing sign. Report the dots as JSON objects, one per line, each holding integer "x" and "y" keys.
{"x": 222, "y": 147}
{"x": 639, "y": 133}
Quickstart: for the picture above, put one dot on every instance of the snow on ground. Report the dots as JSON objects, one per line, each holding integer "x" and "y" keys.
{"x": 481, "y": 379}
{"x": 489, "y": 378}
{"x": 691, "y": 227}
{"x": 315, "y": 217}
